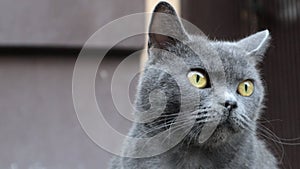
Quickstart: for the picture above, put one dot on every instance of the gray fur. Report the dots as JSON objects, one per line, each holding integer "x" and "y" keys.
{"x": 234, "y": 144}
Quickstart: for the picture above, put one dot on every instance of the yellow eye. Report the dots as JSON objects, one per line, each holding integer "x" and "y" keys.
{"x": 197, "y": 79}
{"x": 246, "y": 88}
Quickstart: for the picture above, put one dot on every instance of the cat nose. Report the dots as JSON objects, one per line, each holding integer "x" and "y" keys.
{"x": 230, "y": 105}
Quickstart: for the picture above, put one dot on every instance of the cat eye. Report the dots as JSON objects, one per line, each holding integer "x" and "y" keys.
{"x": 246, "y": 88}
{"x": 198, "y": 79}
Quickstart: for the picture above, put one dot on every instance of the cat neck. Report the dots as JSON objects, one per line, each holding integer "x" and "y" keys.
{"x": 238, "y": 151}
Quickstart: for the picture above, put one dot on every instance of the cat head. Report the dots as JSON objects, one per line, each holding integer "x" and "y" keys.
{"x": 206, "y": 80}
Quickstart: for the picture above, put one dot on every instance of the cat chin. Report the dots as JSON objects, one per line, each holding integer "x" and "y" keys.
{"x": 221, "y": 135}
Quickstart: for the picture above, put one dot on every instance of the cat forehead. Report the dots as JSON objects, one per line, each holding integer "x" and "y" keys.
{"x": 229, "y": 50}
{"x": 221, "y": 48}
{"x": 214, "y": 52}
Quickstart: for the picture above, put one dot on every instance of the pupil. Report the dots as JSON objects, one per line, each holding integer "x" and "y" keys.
{"x": 197, "y": 78}
{"x": 246, "y": 87}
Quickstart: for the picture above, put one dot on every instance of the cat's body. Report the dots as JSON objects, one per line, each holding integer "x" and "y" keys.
{"x": 250, "y": 154}
{"x": 224, "y": 66}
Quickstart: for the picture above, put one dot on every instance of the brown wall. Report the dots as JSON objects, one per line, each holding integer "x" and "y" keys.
{"x": 60, "y": 22}
{"x": 38, "y": 124}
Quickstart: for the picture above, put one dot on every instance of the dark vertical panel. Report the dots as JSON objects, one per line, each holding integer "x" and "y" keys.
{"x": 281, "y": 71}
{"x": 217, "y": 18}
{"x": 236, "y": 19}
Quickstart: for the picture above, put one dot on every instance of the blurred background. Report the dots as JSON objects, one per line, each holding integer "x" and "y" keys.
{"x": 41, "y": 39}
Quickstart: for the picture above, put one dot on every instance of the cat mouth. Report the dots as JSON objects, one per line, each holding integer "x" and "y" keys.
{"x": 229, "y": 123}
{"x": 225, "y": 117}
{"x": 225, "y": 127}
{"x": 218, "y": 126}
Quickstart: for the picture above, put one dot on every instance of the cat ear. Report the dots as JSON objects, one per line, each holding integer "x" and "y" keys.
{"x": 165, "y": 27}
{"x": 257, "y": 44}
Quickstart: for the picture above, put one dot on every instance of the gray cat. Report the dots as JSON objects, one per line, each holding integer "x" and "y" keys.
{"x": 215, "y": 89}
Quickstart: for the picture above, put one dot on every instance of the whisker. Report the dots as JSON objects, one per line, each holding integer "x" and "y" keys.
{"x": 276, "y": 142}
{"x": 280, "y": 140}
